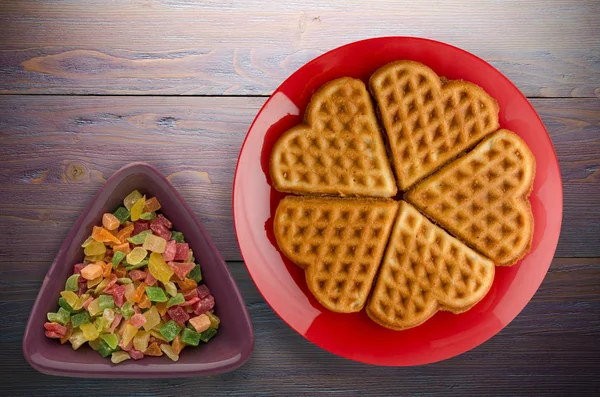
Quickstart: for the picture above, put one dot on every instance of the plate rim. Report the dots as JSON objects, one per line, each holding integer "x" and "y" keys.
{"x": 554, "y": 162}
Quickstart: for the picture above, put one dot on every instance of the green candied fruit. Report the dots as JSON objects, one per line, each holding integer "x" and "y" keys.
{"x": 148, "y": 216}
{"x": 80, "y": 318}
{"x": 170, "y": 330}
{"x": 71, "y": 283}
{"x": 156, "y": 294}
{"x": 127, "y": 310}
{"x": 117, "y": 258}
{"x": 99, "y": 323}
{"x": 125, "y": 280}
{"x": 104, "y": 349}
{"x": 62, "y": 316}
{"x": 177, "y": 236}
{"x": 111, "y": 340}
{"x": 196, "y": 274}
{"x": 94, "y": 344}
{"x": 214, "y": 320}
{"x": 107, "y": 302}
{"x": 208, "y": 334}
{"x": 190, "y": 337}
{"x": 63, "y": 303}
{"x": 139, "y": 238}
{"x": 122, "y": 214}
{"x": 143, "y": 262}
{"x": 176, "y": 300}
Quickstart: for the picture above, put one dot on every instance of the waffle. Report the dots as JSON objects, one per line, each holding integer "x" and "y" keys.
{"x": 339, "y": 243}
{"x": 429, "y": 121}
{"x": 339, "y": 151}
{"x": 482, "y": 197}
{"x": 425, "y": 270}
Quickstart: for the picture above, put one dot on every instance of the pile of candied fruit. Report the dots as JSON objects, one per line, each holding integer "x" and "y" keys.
{"x": 138, "y": 291}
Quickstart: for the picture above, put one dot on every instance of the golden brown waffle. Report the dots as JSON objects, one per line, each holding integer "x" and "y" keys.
{"x": 339, "y": 151}
{"x": 425, "y": 270}
{"x": 429, "y": 122}
{"x": 482, "y": 197}
{"x": 339, "y": 243}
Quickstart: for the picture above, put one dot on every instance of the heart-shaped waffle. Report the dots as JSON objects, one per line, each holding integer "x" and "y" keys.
{"x": 425, "y": 270}
{"x": 429, "y": 121}
{"x": 482, "y": 197}
{"x": 338, "y": 242}
{"x": 339, "y": 151}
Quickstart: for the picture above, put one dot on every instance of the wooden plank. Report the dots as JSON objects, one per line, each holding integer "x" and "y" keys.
{"x": 549, "y": 349}
{"x": 548, "y": 48}
{"x": 56, "y": 152}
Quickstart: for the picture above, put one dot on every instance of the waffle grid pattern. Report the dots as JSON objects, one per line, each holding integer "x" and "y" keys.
{"x": 425, "y": 270}
{"x": 340, "y": 149}
{"x": 429, "y": 123}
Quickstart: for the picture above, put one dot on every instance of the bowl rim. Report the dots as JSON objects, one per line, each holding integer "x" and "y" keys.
{"x": 172, "y": 371}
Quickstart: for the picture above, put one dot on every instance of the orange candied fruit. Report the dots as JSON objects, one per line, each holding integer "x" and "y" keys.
{"x": 161, "y": 307}
{"x": 177, "y": 345}
{"x": 153, "y": 350}
{"x": 120, "y": 272}
{"x": 151, "y": 205}
{"x": 187, "y": 284}
{"x": 125, "y": 233}
{"x": 110, "y": 222}
{"x": 124, "y": 248}
{"x": 145, "y": 302}
{"x": 103, "y": 235}
{"x": 139, "y": 292}
{"x": 92, "y": 271}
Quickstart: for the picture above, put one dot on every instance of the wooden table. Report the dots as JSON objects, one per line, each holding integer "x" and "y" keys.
{"x": 89, "y": 85}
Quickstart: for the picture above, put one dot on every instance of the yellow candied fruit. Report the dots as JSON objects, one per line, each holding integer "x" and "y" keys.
{"x": 94, "y": 307}
{"x": 93, "y": 258}
{"x": 94, "y": 282}
{"x": 131, "y": 198}
{"x": 89, "y": 331}
{"x": 82, "y": 300}
{"x": 87, "y": 242}
{"x": 129, "y": 333}
{"x": 170, "y": 288}
{"x": 77, "y": 339}
{"x": 168, "y": 350}
{"x": 95, "y": 248}
{"x": 119, "y": 357}
{"x": 137, "y": 208}
{"x": 141, "y": 340}
{"x": 72, "y": 299}
{"x": 156, "y": 333}
{"x": 155, "y": 243}
{"x": 129, "y": 291}
{"x": 136, "y": 255}
{"x": 214, "y": 320}
{"x": 159, "y": 268}
{"x": 100, "y": 287}
{"x": 108, "y": 315}
{"x": 152, "y": 318}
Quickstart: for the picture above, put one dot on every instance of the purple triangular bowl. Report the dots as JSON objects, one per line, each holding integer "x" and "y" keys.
{"x": 225, "y": 352}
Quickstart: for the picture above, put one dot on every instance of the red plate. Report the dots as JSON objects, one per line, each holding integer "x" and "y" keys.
{"x": 355, "y": 336}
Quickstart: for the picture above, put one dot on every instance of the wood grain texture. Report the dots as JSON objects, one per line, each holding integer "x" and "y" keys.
{"x": 550, "y": 349}
{"x": 56, "y": 152}
{"x": 182, "y": 47}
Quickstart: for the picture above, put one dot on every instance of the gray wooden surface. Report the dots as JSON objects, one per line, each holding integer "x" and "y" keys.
{"x": 87, "y": 86}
